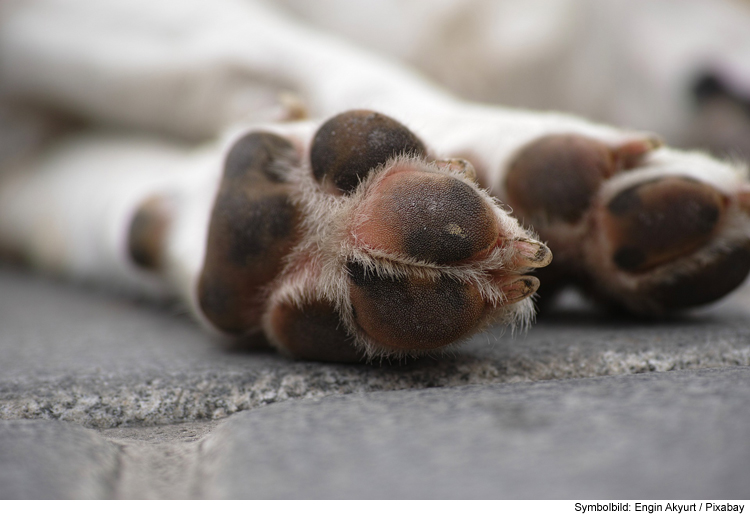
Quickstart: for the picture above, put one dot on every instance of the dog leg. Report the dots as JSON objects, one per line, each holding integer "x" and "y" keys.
{"x": 69, "y": 212}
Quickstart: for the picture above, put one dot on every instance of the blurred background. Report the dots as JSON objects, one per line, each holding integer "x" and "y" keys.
{"x": 680, "y": 68}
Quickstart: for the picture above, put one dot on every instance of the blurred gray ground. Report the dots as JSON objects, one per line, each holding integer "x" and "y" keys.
{"x": 665, "y": 415}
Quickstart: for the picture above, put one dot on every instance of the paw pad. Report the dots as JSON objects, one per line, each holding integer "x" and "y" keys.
{"x": 557, "y": 176}
{"x": 147, "y": 233}
{"x": 413, "y": 313}
{"x": 348, "y": 145}
{"x": 253, "y": 226}
{"x": 658, "y": 221}
{"x": 312, "y": 330}
{"x": 428, "y": 217}
{"x": 707, "y": 284}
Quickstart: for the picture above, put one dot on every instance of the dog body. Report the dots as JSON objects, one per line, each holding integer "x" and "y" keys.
{"x": 366, "y": 234}
{"x": 677, "y": 68}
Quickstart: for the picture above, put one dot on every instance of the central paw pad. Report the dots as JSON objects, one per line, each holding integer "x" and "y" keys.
{"x": 427, "y": 216}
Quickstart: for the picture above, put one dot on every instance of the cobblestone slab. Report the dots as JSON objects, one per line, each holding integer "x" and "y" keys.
{"x": 53, "y": 460}
{"x": 104, "y": 361}
{"x": 665, "y": 436}
{"x": 161, "y": 462}
{"x": 668, "y": 435}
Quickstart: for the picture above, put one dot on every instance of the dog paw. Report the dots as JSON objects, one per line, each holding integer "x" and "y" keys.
{"x": 640, "y": 226}
{"x": 353, "y": 242}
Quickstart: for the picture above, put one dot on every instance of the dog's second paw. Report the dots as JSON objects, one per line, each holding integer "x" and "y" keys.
{"x": 642, "y": 227}
{"x": 353, "y": 242}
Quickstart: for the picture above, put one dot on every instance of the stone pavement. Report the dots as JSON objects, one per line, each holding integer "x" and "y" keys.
{"x": 136, "y": 401}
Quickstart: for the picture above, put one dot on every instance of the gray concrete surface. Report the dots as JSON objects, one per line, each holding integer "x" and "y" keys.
{"x": 103, "y": 361}
{"x": 55, "y": 460}
{"x": 673, "y": 435}
{"x": 667, "y": 436}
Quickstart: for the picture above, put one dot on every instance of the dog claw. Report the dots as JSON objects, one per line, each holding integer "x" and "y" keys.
{"x": 531, "y": 253}
{"x": 520, "y": 288}
{"x": 460, "y": 166}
